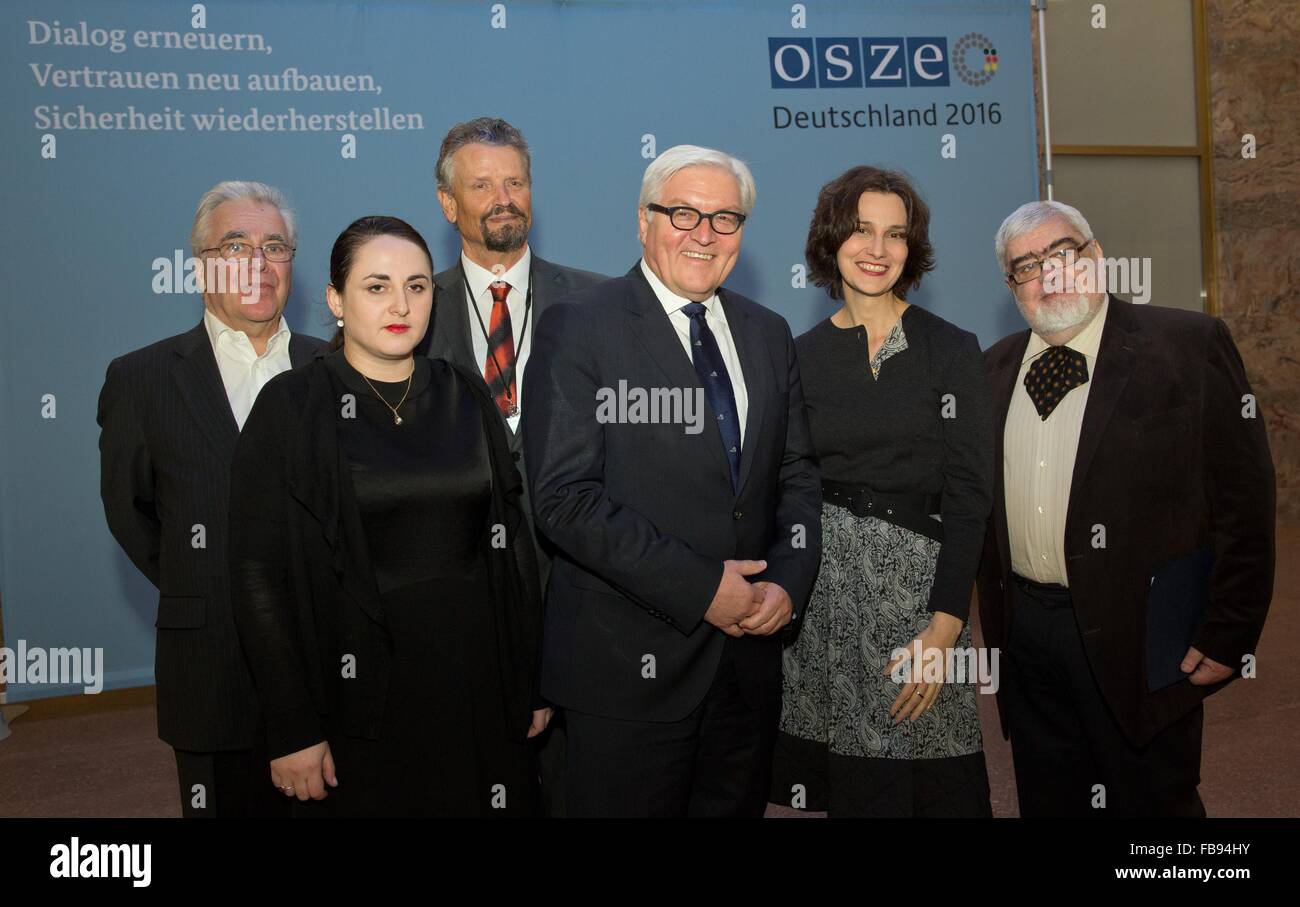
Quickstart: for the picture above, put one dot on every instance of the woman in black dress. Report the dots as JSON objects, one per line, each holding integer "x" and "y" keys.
{"x": 901, "y": 421}
{"x": 384, "y": 592}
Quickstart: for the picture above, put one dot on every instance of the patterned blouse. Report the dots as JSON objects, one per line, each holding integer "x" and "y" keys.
{"x": 896, "y": 342}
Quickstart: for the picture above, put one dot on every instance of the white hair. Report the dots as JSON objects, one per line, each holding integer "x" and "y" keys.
{"x": 236, "y": 190}
{"x": 1032, "y": 215}
{"x": 679, "y": 157}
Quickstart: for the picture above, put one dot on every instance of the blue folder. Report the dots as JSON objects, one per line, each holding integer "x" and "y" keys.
{"x": 1176, "y": 605}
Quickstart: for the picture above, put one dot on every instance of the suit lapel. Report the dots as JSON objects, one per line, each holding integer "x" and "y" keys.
{"x": 650, "y": 324}
{"x": 201, "y": 387}
{"x": 548, "y": 286}
{"x": 453, "y": 339}
{"x": 300, "y": 352}
{"x": 757, "y": 369}
{"x": 454, "y": 326}
{"x": 1002, "y": 385}
{"x": 1116, "y": 358}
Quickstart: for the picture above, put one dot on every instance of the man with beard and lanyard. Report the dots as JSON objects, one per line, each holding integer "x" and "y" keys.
{"x": 485, "y": 306}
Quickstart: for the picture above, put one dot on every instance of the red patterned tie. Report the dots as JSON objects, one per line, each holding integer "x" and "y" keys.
{"x": 499, "y": 370}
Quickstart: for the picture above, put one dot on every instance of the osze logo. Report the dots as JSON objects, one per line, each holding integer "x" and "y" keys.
{"x": 915, "y": 62}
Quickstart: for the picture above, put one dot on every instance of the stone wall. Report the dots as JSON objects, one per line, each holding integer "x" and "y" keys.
{"x": 1254, "y": 50}
{"x": 1254, "y": 57}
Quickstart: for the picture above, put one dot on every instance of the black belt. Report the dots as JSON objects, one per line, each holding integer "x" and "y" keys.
{"x": 910, "y": 511}
{"x": 1050, "y": 591}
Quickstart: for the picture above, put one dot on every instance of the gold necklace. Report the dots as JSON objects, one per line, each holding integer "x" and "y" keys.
{"x": 397, "y": 420}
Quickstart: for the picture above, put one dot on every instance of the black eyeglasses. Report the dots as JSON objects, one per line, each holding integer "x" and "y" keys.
{"x": 684, "y": 217}
{"x": 1029, "y": 270}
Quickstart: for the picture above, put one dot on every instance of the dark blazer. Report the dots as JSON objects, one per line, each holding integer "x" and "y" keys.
{"x": 1167, "y": 464}
{"x": 451, "y": 338}
{"x": 168, "y": 435}
{"x": 643, "y": 515}
{"x": 304, "y": 592}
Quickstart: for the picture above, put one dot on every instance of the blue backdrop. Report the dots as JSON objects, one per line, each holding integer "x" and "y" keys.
{"x": 597, "y": 88}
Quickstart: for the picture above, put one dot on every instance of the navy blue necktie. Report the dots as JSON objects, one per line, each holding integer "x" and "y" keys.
{"x": 712, "y": 371}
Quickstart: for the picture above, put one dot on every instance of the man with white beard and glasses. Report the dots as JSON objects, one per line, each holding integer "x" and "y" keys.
{"x": 1128, "y": 565}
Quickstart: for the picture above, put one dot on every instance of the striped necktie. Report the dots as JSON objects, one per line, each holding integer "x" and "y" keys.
{"x": 499, "y": 369}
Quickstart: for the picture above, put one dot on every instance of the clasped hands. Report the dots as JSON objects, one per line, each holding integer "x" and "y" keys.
{"x": 740, "y": 607}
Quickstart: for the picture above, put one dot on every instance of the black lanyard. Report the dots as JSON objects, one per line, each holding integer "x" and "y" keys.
{"x": 523, "y": 334}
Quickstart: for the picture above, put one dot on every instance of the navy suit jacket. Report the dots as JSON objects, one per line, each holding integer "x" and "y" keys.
{"x": 644, "y": 514}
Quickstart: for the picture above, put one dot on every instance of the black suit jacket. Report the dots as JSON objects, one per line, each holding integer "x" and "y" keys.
{"x": 451, "y": 338}
{"x": 1167, "y": 464}
{"x": 167, "y": 438}
{"x": 643, "y": 515}
{"x": 304, "y": 591}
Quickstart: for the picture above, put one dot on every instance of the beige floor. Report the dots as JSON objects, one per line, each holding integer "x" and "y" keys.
{"x": 100, "y": 756}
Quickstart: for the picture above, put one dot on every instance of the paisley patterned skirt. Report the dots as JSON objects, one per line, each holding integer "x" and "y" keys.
{"x": 838, "y": 749}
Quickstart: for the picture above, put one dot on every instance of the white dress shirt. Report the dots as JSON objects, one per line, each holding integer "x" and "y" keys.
{"x": 1038, "y": 462}
{"x": 480, "y": 280}
{"x": 716, "y": 318}
{"x": 243, "y": 372}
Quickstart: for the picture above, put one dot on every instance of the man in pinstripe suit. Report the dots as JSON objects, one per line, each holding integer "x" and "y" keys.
{"x": 170, "y": 415}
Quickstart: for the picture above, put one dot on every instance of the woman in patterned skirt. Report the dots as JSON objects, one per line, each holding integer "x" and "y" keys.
{"x": 901, "y": 421}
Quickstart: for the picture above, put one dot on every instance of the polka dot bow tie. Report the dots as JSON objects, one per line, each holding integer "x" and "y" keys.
{"x": 1053, "y": 375}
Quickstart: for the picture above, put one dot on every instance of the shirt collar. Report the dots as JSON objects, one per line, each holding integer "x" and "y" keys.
{"x": 671, "y": 301}
{"x": 216, "y": 328}
{"x": 479, "y": 277}
{"x": 1087, "y": 341}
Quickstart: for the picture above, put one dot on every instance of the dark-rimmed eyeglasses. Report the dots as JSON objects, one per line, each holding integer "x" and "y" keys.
{"x": 242, "y": 248}
{"x": 1032, "y": 269}
{"x": 684, "y": 217}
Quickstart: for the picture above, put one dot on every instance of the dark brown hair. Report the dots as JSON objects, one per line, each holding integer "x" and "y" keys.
{"x": 836, "y": 217}
{"x": 358, "y": 233}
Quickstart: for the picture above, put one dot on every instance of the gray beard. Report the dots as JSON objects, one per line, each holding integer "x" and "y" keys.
{"x": 1061, "y": 316}
{"x": 506, "y": 239}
